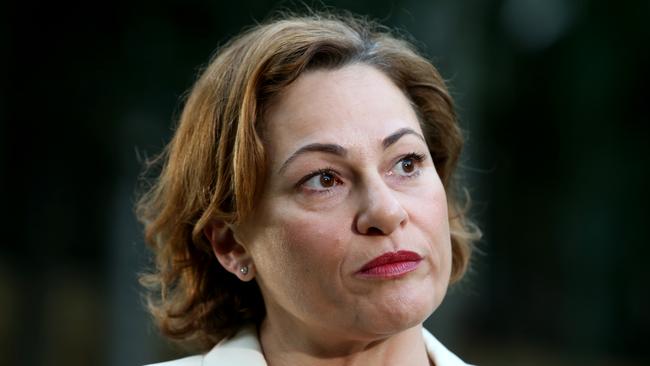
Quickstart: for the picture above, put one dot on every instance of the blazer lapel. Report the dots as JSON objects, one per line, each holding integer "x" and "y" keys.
{"x": 243, "y": 349}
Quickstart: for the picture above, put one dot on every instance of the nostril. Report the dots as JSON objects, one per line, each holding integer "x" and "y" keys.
{"x": 374, "y": 231}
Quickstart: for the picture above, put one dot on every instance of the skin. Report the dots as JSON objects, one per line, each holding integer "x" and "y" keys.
{"x": 312, "y": 232}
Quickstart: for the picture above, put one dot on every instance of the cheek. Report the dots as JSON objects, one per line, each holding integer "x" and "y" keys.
{"x": 429, "y": 214}
{"x": 428, "y": 208}
{"x": 304, "y": 253}
{"x": 317, "y": 244}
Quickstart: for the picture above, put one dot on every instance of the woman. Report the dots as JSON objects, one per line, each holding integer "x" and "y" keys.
{"x": 305, "y": 212}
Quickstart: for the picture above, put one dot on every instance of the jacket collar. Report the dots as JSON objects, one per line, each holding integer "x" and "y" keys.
{"x": 245, "y": 349}
{"x": 437, "y": 352}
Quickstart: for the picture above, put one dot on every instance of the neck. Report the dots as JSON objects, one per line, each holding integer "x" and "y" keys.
{"x": 324, "y": 347}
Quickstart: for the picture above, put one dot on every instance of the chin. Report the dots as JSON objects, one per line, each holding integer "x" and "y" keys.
{"x": 405, "y": 309}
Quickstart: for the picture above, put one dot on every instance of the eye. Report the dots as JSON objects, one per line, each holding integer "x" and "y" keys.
{"x": 408, "y": 165}
{"x": 321, "y": 180}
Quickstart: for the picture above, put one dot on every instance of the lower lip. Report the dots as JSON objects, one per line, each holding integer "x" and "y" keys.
{"x": 390, "y": 270}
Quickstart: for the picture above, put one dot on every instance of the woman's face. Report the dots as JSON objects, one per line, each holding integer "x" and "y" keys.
{"x": 350, "y": 179}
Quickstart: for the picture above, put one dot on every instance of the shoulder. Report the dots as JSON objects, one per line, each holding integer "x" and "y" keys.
{"x": 243, "y": 349}
{"x": 439, "y": 353}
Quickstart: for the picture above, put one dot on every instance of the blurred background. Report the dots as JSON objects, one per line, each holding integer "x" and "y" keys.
{"x": 553, "y": 96}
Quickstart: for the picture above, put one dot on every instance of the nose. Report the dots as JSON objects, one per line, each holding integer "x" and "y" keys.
{"x": 380, "y": 211}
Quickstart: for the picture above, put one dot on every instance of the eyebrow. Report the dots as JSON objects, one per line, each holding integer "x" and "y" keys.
{"x": 393, "y": 137}
{"x": 333, "y": 149}
{"x": 339, "y": 150}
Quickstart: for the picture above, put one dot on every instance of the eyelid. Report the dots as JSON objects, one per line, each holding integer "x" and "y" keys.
{"x": 418, "y": 158}
{"x": 306, "y": 178}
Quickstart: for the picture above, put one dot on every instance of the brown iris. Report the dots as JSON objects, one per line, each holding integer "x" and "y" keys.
{"x": 407, "y": 165}
{"x": 326, "y": 180}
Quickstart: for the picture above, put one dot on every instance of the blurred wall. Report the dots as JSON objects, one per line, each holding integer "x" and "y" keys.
{"x": 553, "y": 96}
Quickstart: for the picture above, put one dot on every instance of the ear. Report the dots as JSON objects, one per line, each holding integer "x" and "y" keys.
{"x": 231, "y": 254}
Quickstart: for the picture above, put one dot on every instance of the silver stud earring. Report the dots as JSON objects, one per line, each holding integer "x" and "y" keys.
{"x": 244, "y": 270}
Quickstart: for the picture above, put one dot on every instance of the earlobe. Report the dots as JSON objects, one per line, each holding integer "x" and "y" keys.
{"x": 229, "y": 252}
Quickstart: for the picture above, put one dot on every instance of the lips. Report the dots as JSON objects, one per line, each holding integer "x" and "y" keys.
{"x": 391, "y": 265}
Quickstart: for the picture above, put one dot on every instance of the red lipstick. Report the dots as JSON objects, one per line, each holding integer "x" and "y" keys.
{"x": 391, "y": 265}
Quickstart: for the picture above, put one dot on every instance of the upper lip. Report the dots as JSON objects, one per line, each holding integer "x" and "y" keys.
{"x": 391, "y": 257}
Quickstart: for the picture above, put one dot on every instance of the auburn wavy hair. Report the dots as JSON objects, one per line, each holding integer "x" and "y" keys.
{"x": 214, "y": 167}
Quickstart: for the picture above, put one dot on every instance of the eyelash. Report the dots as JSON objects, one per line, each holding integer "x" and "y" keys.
{"x": 328, "y": 170}
{"x": 416, "y": 157}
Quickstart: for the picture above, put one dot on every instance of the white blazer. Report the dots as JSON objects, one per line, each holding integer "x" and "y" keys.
{"x": 244, "y": 349}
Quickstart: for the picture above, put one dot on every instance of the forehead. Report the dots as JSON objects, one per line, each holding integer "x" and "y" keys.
{"x": 353, "y": 106}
